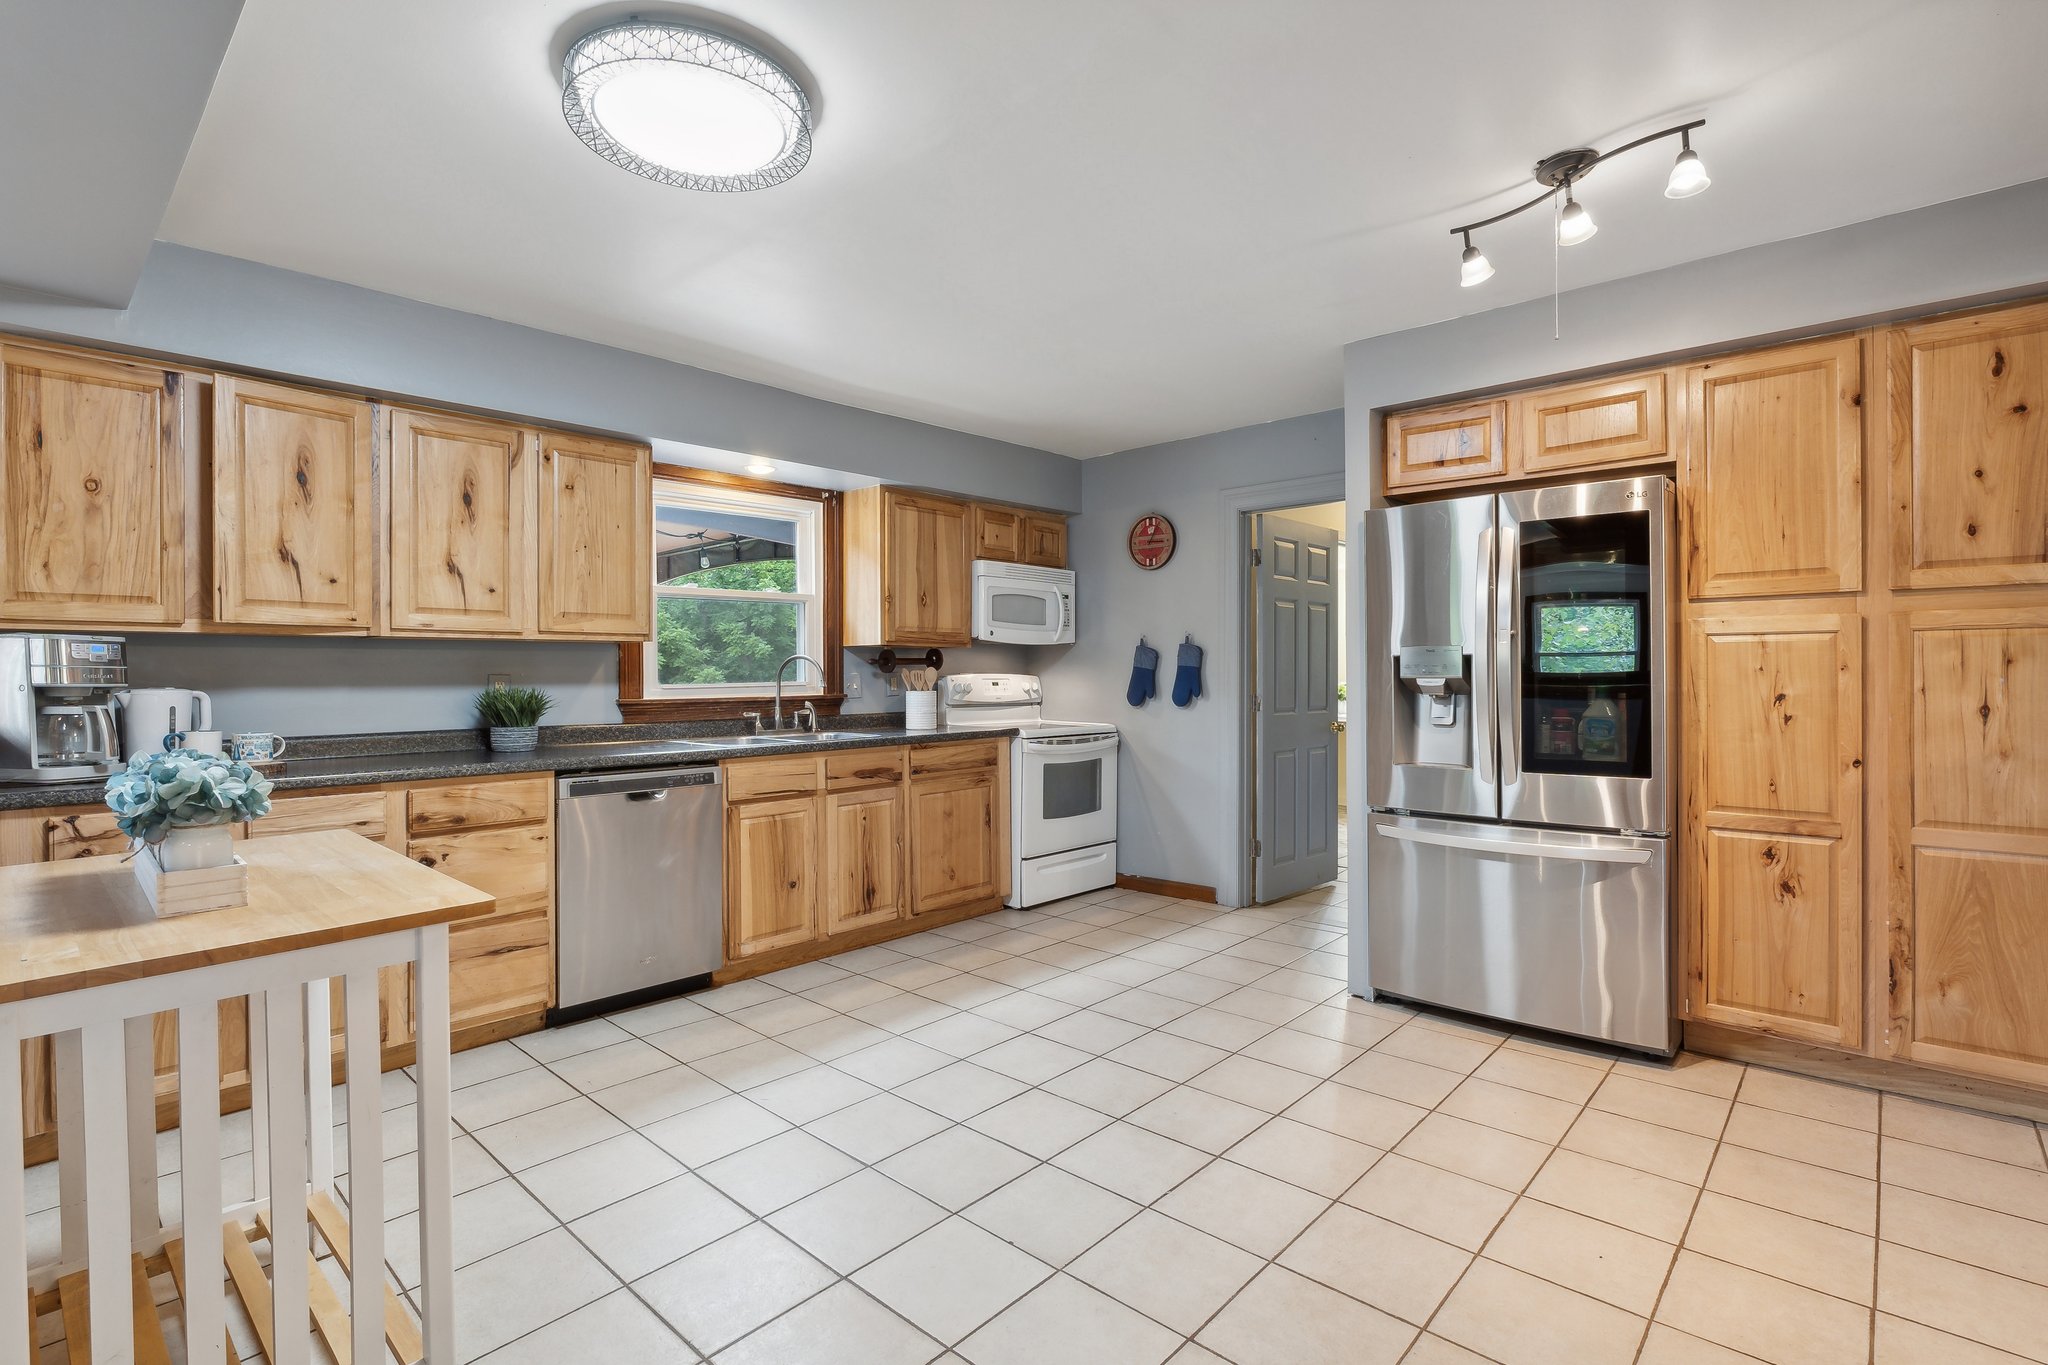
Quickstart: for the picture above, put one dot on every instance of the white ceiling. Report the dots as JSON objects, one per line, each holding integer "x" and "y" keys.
{"x": 1089, "y": 226}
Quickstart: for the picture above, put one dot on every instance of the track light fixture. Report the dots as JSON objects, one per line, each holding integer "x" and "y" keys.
{"x": 1561, "y": 171}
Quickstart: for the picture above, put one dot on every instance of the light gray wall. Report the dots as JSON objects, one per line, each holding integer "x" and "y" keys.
{"x": 209, "y": 309}
{"x": 300, "y": 685}
{"x": 1171, "y": 795}
{"x": 1986, "y": 247}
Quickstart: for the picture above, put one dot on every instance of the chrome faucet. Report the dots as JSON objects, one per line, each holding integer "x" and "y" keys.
{"x": 784, "y": 668}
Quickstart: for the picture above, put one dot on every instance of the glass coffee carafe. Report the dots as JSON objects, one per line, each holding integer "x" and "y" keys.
{"x": 74, "y": 735}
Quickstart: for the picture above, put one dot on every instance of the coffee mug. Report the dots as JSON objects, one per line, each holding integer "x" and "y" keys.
{"x": 258, "y": 746}
{"x": 203, "y": 741}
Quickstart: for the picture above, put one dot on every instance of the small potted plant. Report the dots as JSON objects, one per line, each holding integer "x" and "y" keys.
{"x": 513, "y": 716}
{"x": 180, "y": 804}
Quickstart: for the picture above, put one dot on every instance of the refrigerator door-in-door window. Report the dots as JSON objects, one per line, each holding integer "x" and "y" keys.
{"x": 1551, "y": 928}
{"x": 1581, "y": 646}
{"x": 1429, "y": 710}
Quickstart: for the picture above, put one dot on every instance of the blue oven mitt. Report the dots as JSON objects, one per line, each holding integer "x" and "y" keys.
{"x": 1187, "y": 676}
{"x": 1144, "y": 674}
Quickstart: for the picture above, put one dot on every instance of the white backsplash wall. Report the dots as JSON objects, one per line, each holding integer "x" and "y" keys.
{"x": 875, "y": 694}
{"x": 306, "y": 685}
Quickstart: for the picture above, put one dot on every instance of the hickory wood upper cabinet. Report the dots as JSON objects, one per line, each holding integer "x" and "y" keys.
{"x": 1773, "y": 923}
{"x": 498, "y": 529}
{"x": 1435, "y": 447}
{"x": 596, "y": 556}
{"x": 1014, "y": 536}
{"x": 95, "y": 458}
{"x": 1621, "y": 421}
{"x": 1968, "y": 806}
{"x": 459, "y": 496}
{"x": 1773, "y": 472}
{"x": 907, "y": 569}
{"x": 292, "y": 507}
{"x": 1969, "y": 449}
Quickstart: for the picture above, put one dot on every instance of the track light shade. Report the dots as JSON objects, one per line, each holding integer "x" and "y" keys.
{"x": 1688, "y": 176}
{"x": 1476, "y": 269}
{"x": 1576, "y": 225}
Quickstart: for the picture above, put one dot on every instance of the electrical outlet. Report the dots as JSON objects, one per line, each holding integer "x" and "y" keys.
{"x": 500, "y": 681}
{"x": 853, "y": 684}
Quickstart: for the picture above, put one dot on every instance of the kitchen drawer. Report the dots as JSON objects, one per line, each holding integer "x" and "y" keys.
{"x": 864, "y": 768}
{"x": 478, "y": 805}
{"x": 953, "y": 758}
{"x": 514, "y": 865}
{"x": 758, "y": 779}
{"x": 86, "y": 834}
{"x": 358, "y": 812}
{"x": 499, "y": 968}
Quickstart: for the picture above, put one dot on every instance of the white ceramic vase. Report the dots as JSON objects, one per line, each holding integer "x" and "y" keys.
{"x": 186, "y": 848}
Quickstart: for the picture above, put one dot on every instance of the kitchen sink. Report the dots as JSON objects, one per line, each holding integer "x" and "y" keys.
{"x": 804, "y": 737}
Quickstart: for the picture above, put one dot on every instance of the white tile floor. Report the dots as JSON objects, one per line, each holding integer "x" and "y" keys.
{"x": 1127, "y": 1129}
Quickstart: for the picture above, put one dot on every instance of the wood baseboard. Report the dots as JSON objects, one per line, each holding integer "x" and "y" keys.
{"x": 1159, "y": 886}
{"x": 798, "y": 953}
{"x": 1873, "y": 1073}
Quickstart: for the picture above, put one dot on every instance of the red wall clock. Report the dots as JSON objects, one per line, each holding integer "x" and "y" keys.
{"x": 1152, "y": 541}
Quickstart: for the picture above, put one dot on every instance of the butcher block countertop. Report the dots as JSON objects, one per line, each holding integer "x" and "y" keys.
{"x": 84, "y": 921}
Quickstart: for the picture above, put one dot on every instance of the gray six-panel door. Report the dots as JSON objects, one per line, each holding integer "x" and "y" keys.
{"x": 1295, "y": 735}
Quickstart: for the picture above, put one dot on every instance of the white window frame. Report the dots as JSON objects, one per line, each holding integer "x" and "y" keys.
{"x": 808, "y": 516}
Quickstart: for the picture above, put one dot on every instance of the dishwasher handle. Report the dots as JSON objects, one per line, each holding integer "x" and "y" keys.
{"x": 638, "y": 786}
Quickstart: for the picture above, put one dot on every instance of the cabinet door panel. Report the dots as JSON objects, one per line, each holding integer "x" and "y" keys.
{"x": 478, "y": 805}
{"x": 953, "y": 845}
{"x": 1773, "y": 472}
{"x": 1446, "y": 445}
{"x": 925, "y": 570}
{"x": 772, "y": 858}
{"x": 1045, "y": 542}
{"x": 461, "y": 509}
{"x": 1980, "y": 722}
{"x": 1782, "y": 936}
{"x": 1774, "y": 824}
{"x": 596, "y": 538}
{"x": 864, "y": 852}
{"x": 92, "y": 501}
{"x": 998, "y": 533}
{"x": 1614, "y": 421}
{"x": 291, "y": 506}
{"x": 1969, "y": 905}
{"x": 1970, "y": 450}
{"x": 361, "y": 813}
{"x": 1980, "y": 956}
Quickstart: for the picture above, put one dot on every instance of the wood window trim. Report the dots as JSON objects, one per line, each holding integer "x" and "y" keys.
{"x": 636, "y": 707}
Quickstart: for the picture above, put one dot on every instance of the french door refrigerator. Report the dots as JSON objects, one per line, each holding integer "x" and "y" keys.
{"x": 1519, "y": 757}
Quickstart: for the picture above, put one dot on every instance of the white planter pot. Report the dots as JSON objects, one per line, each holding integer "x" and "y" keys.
{"x": 187, "y": 848}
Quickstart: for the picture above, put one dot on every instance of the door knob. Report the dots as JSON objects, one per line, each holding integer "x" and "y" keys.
{"x": 1337, "y": 726}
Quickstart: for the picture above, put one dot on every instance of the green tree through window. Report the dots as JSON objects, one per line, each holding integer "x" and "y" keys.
{"x": 724, "y": 641}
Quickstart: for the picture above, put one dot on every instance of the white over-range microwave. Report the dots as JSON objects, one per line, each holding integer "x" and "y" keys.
{"x": 1021, "y": 604}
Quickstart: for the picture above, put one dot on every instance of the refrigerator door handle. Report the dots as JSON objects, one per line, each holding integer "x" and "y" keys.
{"x": 1514, "y": 845}
{"x": 1506, "y": 661}
{"x": 1485, "y": 736}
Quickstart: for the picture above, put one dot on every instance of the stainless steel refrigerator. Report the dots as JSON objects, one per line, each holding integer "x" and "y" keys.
{"x": 1520, "y": 763}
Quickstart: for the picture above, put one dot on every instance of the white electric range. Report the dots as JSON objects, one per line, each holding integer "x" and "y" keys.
{"x": 1062, "y": 785}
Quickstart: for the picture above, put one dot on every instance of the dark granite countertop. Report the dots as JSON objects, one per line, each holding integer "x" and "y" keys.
{"x": 418, "y": 756}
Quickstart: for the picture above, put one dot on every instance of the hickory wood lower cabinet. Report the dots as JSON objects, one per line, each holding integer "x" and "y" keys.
{"x": 496, "y": 834}
{"x": 825, "y": 852}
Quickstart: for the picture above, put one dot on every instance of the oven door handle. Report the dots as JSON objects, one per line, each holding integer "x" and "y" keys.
{"x": 1515, "y": 846}
{"x": 1071, "y": 748}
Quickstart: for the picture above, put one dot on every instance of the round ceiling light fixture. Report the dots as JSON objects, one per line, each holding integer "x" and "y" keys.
{"x": 685, "y": 106}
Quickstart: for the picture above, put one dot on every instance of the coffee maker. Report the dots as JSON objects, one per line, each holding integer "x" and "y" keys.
{"x": 56, "y": 706}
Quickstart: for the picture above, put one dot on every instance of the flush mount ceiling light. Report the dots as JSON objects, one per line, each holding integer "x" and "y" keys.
{"x": 686, "y": 106}
{"x": 760, "y": 468}
{"x": 1559, "y": 172}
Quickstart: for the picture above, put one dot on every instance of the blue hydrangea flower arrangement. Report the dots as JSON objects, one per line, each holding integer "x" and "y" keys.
{"x": 161, "y": 792}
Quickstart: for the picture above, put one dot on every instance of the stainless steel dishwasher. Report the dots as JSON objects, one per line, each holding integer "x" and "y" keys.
{"x": 639, "y": 887}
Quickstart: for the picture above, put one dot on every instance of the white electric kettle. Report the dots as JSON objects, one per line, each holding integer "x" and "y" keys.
{"x": 146, "y": 716}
